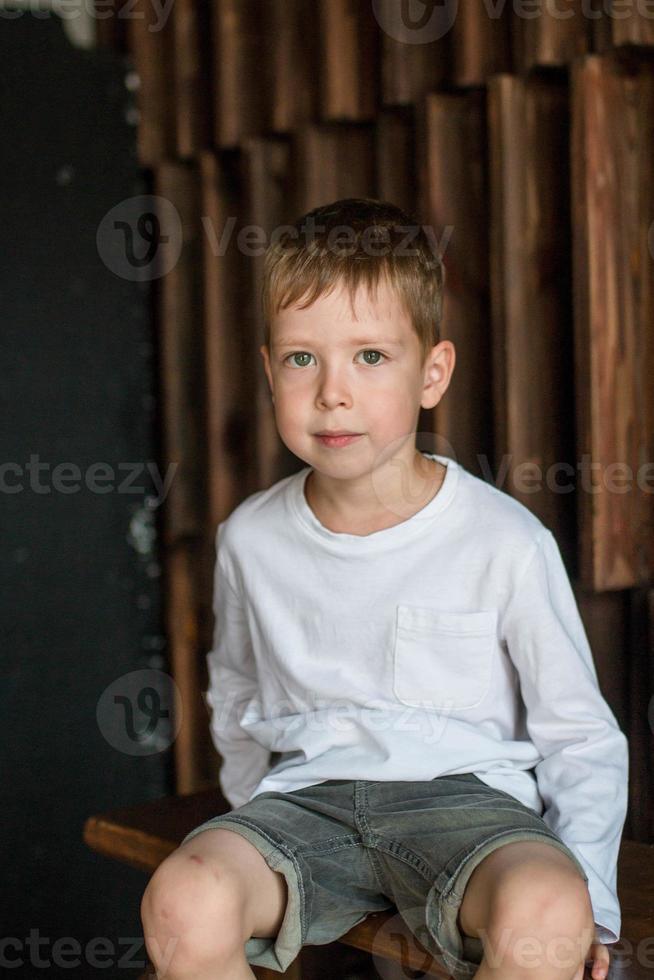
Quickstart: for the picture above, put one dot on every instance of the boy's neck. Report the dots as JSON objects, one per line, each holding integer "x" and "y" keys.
{"x": 361, "y": 511}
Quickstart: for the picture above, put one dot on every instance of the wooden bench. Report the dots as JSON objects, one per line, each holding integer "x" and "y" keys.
{"x": 142, "y": 836}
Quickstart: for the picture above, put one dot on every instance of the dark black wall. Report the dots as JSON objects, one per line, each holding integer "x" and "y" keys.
{"x": 79, "y": 572}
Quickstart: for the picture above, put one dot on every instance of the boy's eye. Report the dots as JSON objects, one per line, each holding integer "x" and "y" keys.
{"x": 375, "y": 352}
{"x": 304, "y": 354}
{"x": 297, "y": 354}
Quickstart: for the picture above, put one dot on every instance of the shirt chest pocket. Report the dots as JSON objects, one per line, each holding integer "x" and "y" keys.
{"x": 443, "y": 660}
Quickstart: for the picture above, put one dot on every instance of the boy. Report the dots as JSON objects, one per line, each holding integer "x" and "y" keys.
{"x": 404, "y": 637}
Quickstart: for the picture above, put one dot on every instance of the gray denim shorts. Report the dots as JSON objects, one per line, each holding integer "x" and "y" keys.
{"x": 351, "y": 847}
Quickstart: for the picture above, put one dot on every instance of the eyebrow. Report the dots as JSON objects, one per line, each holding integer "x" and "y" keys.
{"x": 360, "y": 342}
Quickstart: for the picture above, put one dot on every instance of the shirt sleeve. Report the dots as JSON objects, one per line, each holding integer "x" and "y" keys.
{"x": 583, "y": 772}
{"x": 232, "y": 687}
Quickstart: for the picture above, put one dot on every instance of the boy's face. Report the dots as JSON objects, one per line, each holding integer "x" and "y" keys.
{"x": 329, "y": 371}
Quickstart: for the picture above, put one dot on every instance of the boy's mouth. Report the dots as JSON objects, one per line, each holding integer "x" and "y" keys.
{"x": 336, "y": 439}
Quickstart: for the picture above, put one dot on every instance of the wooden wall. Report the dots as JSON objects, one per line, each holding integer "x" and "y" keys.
{"x": 527, "y": 143}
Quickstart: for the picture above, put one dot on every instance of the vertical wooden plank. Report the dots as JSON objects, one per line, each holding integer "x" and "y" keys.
{"x": 295, "y": 90}
{"x": 606, "y": 617}
{"x": 349, "y": 36}
{"x": 188, "y": 605}
{"x": 531, "y": 297}
{"x": 543, "y": 37}
{"x": 640, "y": 726}
{"x": 601, "y": 28}
{"x": 332, "y": 161}
{"x": 633, "y": 23}
{"x": 184, "y": 438}
{"x": 451, "y": 144}
{"x": 242, "y": 51}
{"x": 110, "y": 26}
{"x": 396, "y": 157}
{"x": 612, "y": 164}
{"x": 480, "y": 43}
{"x": 650, "y": 715}
{"x": 412, "y": 63}
{"x": 152, "y": 50}
{"x": 191, "y": 42}
{"x": 230, "y": 377}
{"x": 182, "y": 348}
{"x": 630, "y": 23}
{"x": 267, "y": 186}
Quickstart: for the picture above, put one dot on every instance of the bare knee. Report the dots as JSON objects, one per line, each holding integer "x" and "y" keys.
{"x": 192, "y": 915}
{"x": 541, "y": 925}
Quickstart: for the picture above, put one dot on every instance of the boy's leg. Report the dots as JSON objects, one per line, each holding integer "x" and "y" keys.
{"x": 528, "y": 904}
{"x": 205, "y": 901}
{"x": 521, "y": 897}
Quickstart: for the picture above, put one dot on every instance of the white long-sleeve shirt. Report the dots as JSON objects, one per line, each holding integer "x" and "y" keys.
{"x": 448, "y": 643}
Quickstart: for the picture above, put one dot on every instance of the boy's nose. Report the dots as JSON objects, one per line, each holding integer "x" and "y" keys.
{"x": 333, "y": 389}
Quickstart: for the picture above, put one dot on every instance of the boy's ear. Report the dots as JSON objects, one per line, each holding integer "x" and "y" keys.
{"x": 265, "y": 353}
{"x": 438, "y": 369}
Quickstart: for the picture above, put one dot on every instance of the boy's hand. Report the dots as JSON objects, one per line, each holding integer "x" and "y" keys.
{"x": 597, "y": 962}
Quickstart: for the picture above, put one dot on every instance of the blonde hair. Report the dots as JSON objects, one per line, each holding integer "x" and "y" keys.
{"x": 309, "y": 258}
